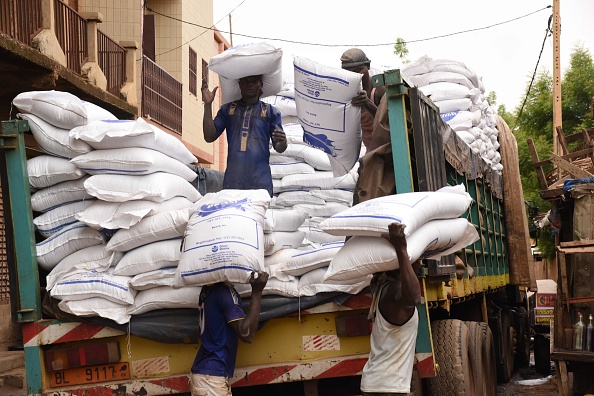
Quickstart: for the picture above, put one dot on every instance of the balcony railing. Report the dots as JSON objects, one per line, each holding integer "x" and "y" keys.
{"x": 161, "y": 96}
{"x": 112, "y": 61}
{"x": 71, "y": 31}
{"x": 20, "y": 19}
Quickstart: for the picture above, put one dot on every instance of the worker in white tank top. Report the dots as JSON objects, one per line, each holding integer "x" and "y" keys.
{"x": 393, "y": 310}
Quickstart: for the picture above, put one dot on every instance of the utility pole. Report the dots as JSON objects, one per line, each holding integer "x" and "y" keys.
{"x": 557, "y": 117}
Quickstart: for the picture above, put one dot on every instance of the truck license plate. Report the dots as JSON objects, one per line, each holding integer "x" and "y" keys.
{"x": 92, "y": 374}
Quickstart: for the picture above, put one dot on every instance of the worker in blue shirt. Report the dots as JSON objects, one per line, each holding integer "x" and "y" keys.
{"x": 222, "y": 323}
{"x": 250, "y": 124}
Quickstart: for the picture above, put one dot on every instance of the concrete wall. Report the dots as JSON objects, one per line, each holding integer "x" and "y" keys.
{"x": 122, "y": 21}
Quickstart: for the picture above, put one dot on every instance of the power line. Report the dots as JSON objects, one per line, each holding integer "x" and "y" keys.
{"x": 349, "y": 45}
{"x": 548, "y": 32}
{"x": 192, "y": 39}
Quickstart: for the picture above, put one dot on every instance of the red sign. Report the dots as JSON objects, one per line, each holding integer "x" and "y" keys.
{"x": 545, "y": 299}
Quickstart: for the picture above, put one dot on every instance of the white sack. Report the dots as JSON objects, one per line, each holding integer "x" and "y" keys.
{"x": 283, "y": 219}
{"x": 364, "y": 255}
{"x": 54, "y": 220}
{"x": 304, "y": 261}
{"x": 326, "y": 210}
{"x": 372, "y": 217}
{"x": 159, "y": 227}
{"x": 157, "y": 187}
{"x": 462, "y": 120}
{"x": 315, "y": 235}
{"x": 91, "y": 284}
{"x": 159, "y": 277}
{"x": 53, "y": 140}
{"x": 105, "y": 135}
{"x": 449, "y": 105}
{"x": 293, "y": 131}
{"x": 87, "y": 259}
{"x": 46, "y": 170}
{"x": 283, "y": 240}
{"x": 312, "y": 283}
{"x": 131, "y": 161}
{"x": 323, "y": 95}
{"x": 277, "y": 287}
{"x": 70, "y": 239}
{"x": 313, "y": 156}
{"x": 421, "y": 80}
{"x": 164, "y": 297}
{"x": 149, "y": 257}
{"x": 278, "y": 171}
{"x": 97, "y": 113}
{"x": 276, "y": 158}
{"x": 97, "y": 306}
{"x": 448, "y": 90}
{"x": 319, "y": 180}
{"x": 290, "y": 198}
{"x": 285, "y": 105}
{"x": 279, "y": 257}
{"x": 59, "y": 194}
{"x": 115, "y": 215}
{"x": 248, "y": 60}
{"x": 224, "y": 238}
{"x": 334, "y": 195}
{"x": 61, "y": 109}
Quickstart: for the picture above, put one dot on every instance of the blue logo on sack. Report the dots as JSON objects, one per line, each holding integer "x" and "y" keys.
{"x": 208, "y": 209}
{"x": 320, "y": 141}
{"x": 215, "y": 249}
{"x": 317, "y": 93}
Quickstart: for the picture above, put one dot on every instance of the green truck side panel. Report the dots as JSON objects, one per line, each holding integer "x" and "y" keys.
{"x": 13, "y": 144}
{"x": 395, "y": 91}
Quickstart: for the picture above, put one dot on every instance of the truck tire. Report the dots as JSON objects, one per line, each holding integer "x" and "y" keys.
{"x": 477, "y": 355}
{"x": 505, "y": 347}
{"x": 490, "y": 362}
{"x": 451, "y": 341}
{"x": 522, "y": 325}
{"x": 542, "y": 354}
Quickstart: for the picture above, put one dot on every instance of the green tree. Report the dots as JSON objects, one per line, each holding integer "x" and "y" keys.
{"x": 536, "y": 122}
{"x": 400, "y": 49}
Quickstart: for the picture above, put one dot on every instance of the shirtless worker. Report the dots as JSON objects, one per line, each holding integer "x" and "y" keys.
{"x": 393, "y": 309}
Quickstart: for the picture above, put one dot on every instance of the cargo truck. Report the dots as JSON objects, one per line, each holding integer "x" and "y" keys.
{"x": 472, "y": 318}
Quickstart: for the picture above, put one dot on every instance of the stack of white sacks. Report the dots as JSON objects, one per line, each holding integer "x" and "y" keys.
{"x": 458, "y": 91}
{"x": 306, "y": 192}
{"x": 433, "y": 229}
{"x": 114, "y": 197}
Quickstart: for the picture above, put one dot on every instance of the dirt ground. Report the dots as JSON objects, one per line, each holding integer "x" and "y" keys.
{"x": 520, "y": 384}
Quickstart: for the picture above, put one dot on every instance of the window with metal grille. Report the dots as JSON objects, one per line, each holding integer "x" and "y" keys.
{"x": 193, "y": 72}
{"x": 4, "y": 283}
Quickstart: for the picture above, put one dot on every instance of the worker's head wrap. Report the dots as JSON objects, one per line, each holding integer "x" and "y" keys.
{"x": 353, "y": 58}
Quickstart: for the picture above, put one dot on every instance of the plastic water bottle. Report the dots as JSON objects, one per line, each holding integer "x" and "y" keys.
{"x": 589, "y": 331}
{"x": 578, "y": 334}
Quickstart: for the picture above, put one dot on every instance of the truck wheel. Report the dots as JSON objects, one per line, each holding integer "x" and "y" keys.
{"x": 451, "y": 340}
{"x": 505, "y": 366}
{"x": 483, "y": 358}
{"x": 542, "y": 354}
{"x": 478, "y": 353}
{"x": 490, "y": 362}
{"x": 522, "y": 357}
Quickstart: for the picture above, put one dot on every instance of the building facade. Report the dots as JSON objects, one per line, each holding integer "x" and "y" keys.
{"x": 134, "y": 58}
